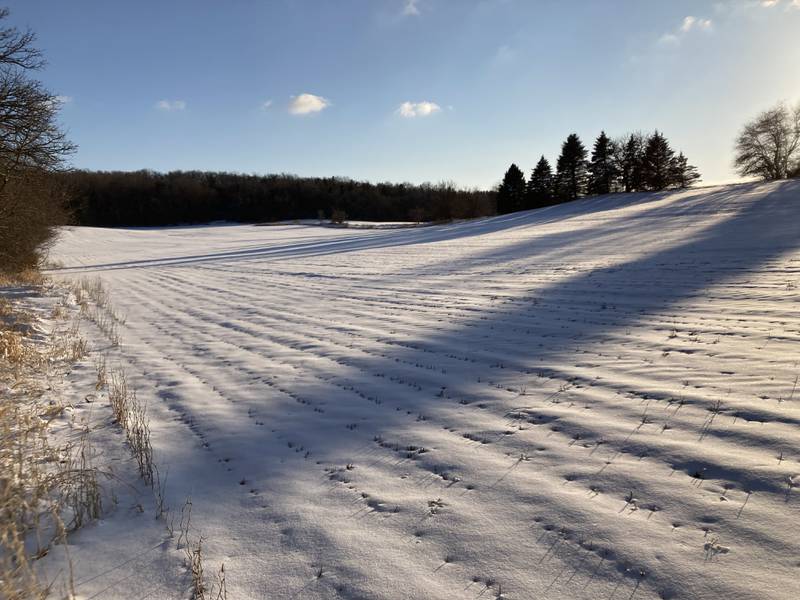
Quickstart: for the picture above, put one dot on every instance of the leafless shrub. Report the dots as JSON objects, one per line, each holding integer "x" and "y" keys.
{"x": 338, "y": 217}
{"x": 31, "y": 146}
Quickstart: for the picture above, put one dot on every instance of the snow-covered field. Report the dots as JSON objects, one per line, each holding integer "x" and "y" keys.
{"x": 595, "y": 400}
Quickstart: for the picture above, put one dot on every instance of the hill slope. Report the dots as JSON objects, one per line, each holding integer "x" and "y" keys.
{"x": 593, "y": 400}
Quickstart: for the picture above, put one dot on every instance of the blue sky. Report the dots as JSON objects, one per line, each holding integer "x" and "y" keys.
{"x": 406, "y": 90}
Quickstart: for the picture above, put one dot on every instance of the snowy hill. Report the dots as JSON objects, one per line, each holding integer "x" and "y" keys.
{"x": 593, "y": 400}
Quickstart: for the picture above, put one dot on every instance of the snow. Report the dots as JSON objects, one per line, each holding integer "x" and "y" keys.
{"x": 593, "y": 400}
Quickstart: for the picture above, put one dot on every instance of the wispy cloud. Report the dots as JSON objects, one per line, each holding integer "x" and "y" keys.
{"x": 410, "y": 110}
{"x": 789, "y": 4}
{"x": 504, "y": 55}
{"x": 743, "y": 7}
{"x": 171, "y": 105}
{"x": 411, "y": 8}
{"x": 266, "y": 104}
{"x": 688, "y": 25}
{"x": 306, "y": 104}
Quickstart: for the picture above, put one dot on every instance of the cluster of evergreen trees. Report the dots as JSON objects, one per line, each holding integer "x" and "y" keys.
{"x": 631, "y": 164}
{"x": 147, "y": 198}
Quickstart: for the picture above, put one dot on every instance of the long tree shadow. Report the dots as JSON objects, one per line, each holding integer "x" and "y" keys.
{"x": 599, "y": 234}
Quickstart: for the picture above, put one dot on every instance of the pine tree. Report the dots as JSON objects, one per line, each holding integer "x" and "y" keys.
{"x": 683, "y": 175}
{"x": 602, "y": 168}
{"x": 658, "y": 160}
{"x": 629, "y": 159}
{"x": 540, "y": 185}
{"x": 571, "y": 169}
{"x": 511, "y": 193}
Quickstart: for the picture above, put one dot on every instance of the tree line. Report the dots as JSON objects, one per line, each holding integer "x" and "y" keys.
{"x": 148, "y": 198}
{"x": 633, "y": 163}
{"x": 32, "y": 146}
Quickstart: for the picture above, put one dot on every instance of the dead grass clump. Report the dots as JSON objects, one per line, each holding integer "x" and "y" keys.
{"x": 90, "y": 290}
{"x": 45, "y": 491}
{"x": 131, "y": 415}
{"x": 193, "y": 549}
{"x": 25, "y": 277}
{"x": 102, "y": 373}
{"x": 94, "y": 301}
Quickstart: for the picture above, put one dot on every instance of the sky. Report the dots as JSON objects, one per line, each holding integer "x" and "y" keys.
{"x": 406, "y": 90}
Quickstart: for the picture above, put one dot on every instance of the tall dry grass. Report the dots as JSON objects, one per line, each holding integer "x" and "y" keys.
{"x": 46, "y": 490}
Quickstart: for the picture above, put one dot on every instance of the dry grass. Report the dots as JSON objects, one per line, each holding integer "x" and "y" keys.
{"x": 48, "y": 491}
{"x": 45, "y": 491}
{"x": 102, "y": 373}
{"x": 94, "y": 301}
{"x": 193, "y": 549}
{"x": 131, "y": 415}
{"x": 27, "y": 277}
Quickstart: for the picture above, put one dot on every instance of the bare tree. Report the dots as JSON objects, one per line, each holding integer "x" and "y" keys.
{"x": 31, "y": 145}
{"x": 769, "y": 145}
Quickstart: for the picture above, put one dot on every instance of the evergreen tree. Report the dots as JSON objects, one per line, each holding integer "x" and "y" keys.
{"x": 629, "y": 160}
{"x": 571, "y": 169}
{"x": 658, "y": 162}
{"x": 602, "y": 168}
{"x": 683, "y": 174}
{"x": 511, "y": 193}
{"x": 540, "y": 185}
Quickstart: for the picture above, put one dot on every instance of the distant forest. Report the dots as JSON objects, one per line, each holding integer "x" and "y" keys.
{"x": 147, "y": 198}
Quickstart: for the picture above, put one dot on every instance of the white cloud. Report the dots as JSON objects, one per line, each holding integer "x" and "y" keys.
{"x": 689, "y": 24}
{"x": 748, "y": 8}
{"x": 410, "y": 8}
{"x": 265, "y": 105}
{"x": 306, "y": 104}
{"x": 735, "y": 7}
{"x": 171, "y": 105}
{"x": 410, "y": 110}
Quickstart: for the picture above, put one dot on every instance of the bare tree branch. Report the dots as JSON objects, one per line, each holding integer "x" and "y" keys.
{"x": 32, "y": 145}
{"x": 768, "y": 147}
